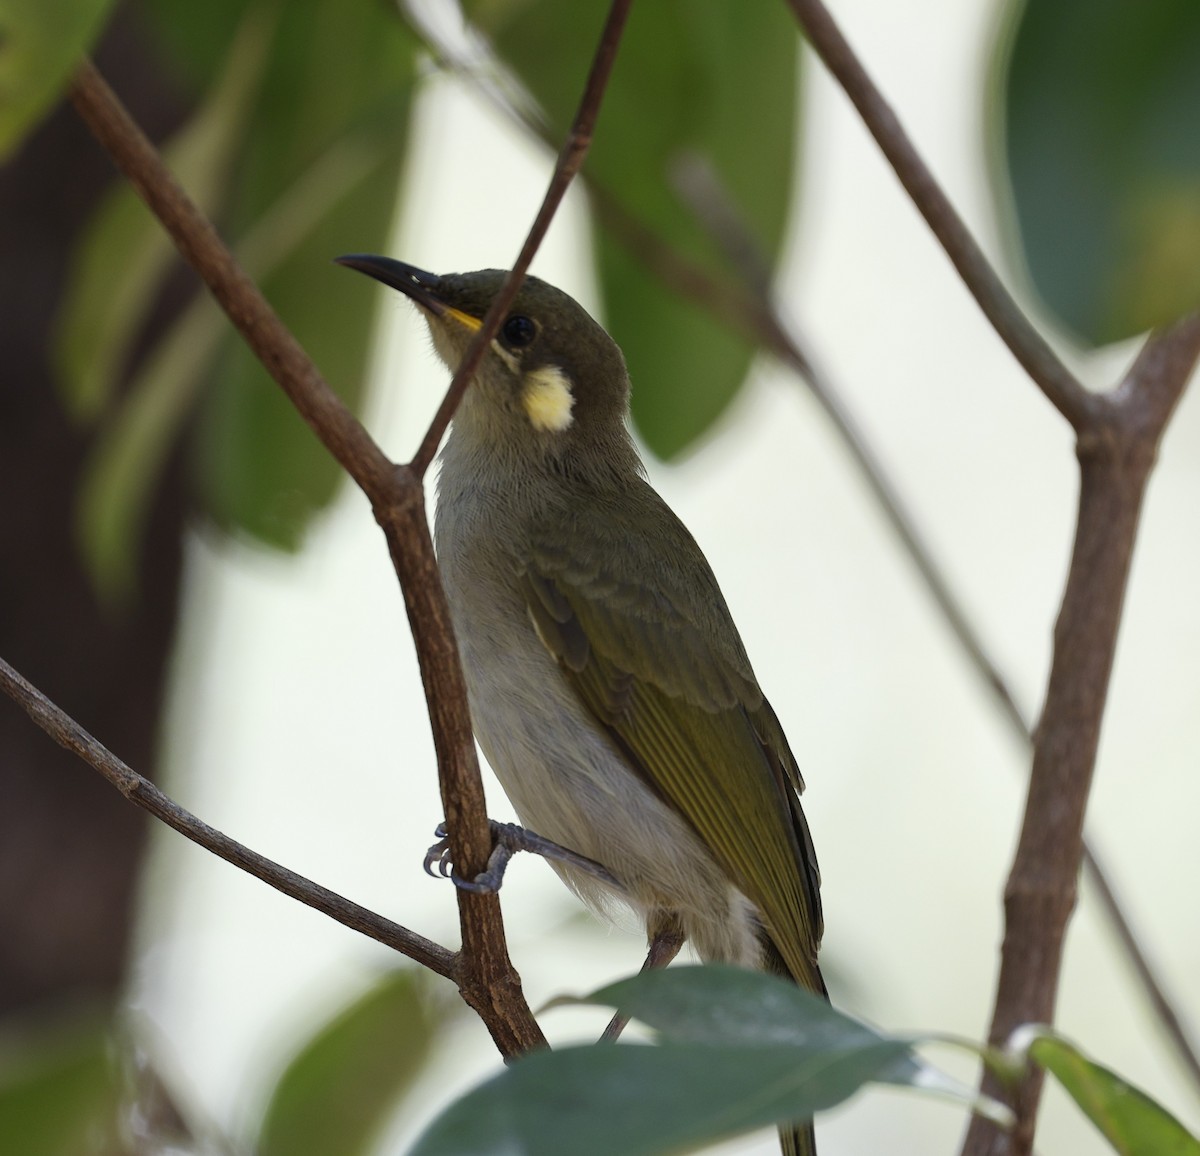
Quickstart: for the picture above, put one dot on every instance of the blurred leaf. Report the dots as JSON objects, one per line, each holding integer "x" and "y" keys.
{"x": 341, "y": 71}
{"x": 41, "y": 42}
{"x": 125, "y": 463}
{"x": 338, "y": 72}
{"x": 739, "y": 1051}
{"x": 716, "y": 80}
{"x": 339, "y": 1090}
{"x": 120, "y": 263}
{"x": 1100, "y": 100}
{"x": 59, "y": 1095}
{"x": 1131, "y": 1122}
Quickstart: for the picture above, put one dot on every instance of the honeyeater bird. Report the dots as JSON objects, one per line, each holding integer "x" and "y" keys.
{"x": 608, "y": 685}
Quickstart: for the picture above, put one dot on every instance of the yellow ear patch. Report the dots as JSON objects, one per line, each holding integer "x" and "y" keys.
{"x": 547, "y": 397}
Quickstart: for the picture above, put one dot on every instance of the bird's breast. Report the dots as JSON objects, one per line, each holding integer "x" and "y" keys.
{"x": 562, "y": 773}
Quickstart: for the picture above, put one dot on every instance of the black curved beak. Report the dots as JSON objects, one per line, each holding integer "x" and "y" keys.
{"x": 415, "y": 283}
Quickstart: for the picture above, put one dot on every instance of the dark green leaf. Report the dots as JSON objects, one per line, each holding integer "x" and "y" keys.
{"x": 1099, "y": 103}
{"x": 336, "y": 1094}
{"x": 716, "y": 1004}
{"x": 41, "y": 42}
{"x": 640, "y": 1101}
{"x": 1131, "y": 1122}
{"x": 739, "y": 1051}
{"x": 58, "y": 1094}
{"x": 125, "y": 462}
{"x": 340, "y": 78}
{"x": 121, "y": 261}
{"x": 716, "y": 81}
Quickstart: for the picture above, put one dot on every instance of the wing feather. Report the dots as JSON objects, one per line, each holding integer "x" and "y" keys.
{"x": 684, "y": 711}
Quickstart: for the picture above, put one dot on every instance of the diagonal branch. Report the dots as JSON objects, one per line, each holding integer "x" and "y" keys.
{"x": 487, "y": 979}
{"x": 65, "y": 731}
{"x": 1028, "y": 346}
{"x": 570, "y": 160}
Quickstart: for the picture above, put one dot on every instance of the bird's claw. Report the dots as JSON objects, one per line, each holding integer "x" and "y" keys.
{"x": 439, "y": 854}
{"x": 487, "y": 881}
{"x": 507, "y": 840}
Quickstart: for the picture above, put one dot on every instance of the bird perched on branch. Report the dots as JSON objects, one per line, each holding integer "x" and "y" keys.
{"x": 608, "y": 685}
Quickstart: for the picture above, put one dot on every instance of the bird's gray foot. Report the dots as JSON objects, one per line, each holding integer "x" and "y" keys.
{"x": 508, "y": 839}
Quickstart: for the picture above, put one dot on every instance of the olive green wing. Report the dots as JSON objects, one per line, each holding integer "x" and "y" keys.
{"x": 666, "y": 674}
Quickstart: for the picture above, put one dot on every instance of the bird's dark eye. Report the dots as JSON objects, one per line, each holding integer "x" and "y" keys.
{"x": 518, "y": 331}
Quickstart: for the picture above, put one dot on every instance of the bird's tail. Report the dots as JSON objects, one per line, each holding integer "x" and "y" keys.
{"x": 798, "y": 1140}
{"x": 794, "y": 1139}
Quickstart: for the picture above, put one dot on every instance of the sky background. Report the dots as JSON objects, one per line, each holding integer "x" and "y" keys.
{"x": 297, "y": 719}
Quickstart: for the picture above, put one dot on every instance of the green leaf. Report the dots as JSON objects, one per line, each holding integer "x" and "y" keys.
{"x": 127, "y": 458}
{"x": 120, "y": 264}
{"x": 738, "y": 1051}
{"x": 304, "y": 152}
{"x": 1131, "y": 1122}
{"x": 41, "y": 42}
{"x": 717, "y": 1004}
{"x": 339, "y": 1090}
{"x": 1099, "y": 101}
{"x": 59, "y": 1095}
{"x": 340, "y": 72}
{"x": 716, "y": 81}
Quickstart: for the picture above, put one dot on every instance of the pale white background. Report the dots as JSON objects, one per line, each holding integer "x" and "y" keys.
{"x": 297, "y": 721}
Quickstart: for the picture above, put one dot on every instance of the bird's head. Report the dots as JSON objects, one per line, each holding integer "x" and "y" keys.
{"x": 553, "y": 380}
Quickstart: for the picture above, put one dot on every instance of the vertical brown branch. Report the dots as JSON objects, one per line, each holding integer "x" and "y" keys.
{"x": 717, "y": 213}
{"x": 485, "y": 975}
{"x": 1117, "y": 451}
{"x": 1117, "y": 440}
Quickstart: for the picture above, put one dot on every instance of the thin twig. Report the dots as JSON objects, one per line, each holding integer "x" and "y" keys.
{"x": 570, "y": 159}
{"x": 65, "y": 731}
{"x": 1042, "y": 364}
{"x": 1162, "y": 1005}
{"x": 714, "y": 210}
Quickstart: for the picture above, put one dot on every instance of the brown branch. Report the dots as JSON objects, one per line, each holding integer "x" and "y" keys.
{"x": 1116, "y": 450}
{"x": 65, "y": 731}
{"x": 462, "y": 795}
{"x": 487, "y": 979}
{"x": 570, "y": 159}
{"x": 1042, "y": 364}
{"x": 703, "y": 191}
